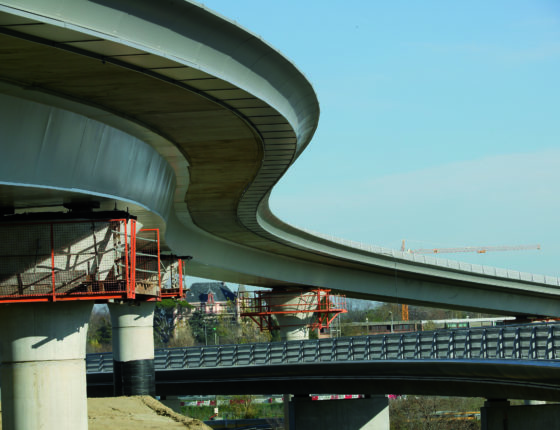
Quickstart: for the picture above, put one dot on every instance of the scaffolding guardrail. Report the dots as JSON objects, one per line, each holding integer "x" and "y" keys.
{"x": 147, "y": 265}
{"x": 61, "y": 259}
{"x": 66, "y": 259}
{"x": 173, "y": 281}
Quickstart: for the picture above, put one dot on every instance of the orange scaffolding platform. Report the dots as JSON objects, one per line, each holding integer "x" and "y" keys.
{"x": 64, "y": 258}
{"x": 262, "y": 306}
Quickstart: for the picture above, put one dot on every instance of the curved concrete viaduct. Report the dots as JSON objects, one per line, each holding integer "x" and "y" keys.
{"x": 188, "y": 121}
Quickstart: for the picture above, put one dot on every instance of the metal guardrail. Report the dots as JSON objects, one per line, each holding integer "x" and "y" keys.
{"x": 525, "y": 342}
{"x": 440, "y": 262}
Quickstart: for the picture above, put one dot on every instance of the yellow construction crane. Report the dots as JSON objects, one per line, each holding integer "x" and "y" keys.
{"x": 477, "y": 249}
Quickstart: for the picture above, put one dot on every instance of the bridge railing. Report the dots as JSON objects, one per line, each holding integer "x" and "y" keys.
{"x": 441, "y": 262}
{"x": 524, "y": 342}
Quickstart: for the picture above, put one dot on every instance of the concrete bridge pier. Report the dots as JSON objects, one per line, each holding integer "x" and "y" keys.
{"x": 298, "y": 313}
{"x": 293, "y": 333}
{"x": 498, "y": 414}
{"x": 292, "y": 326}
{"x": 133, "y": 348}
{"x": 43, "y": 372}
{"x": 302, "y": 413}
{"x": 370, "y": 413}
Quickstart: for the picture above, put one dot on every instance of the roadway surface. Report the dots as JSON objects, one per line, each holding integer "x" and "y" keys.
{"x": 188, "y": 121}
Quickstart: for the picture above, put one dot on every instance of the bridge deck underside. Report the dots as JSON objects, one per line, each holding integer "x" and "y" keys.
{"x": 227, "y": 148}
{"x": 468, "y": 378}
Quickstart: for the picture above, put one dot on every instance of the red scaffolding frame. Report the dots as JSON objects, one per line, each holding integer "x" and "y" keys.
{"x": 76, "y": 259}
{"x": 175, "y": 270}
{"x": 262, "y": 305}
{"x": 147, "y": 264}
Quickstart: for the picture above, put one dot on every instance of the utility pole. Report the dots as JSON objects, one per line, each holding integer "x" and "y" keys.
{"x": 205, "y": 335}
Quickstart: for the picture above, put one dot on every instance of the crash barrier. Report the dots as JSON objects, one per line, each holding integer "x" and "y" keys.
{"x": 523, "y": 342}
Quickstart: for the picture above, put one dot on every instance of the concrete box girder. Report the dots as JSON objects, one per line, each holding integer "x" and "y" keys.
{"x": 258, "y": 75}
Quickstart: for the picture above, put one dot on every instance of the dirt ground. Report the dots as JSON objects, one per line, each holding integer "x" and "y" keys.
{"x": 136, "y": 413}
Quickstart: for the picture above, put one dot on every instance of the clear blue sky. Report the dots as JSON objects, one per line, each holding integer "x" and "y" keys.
{"x": 440, "y": 122}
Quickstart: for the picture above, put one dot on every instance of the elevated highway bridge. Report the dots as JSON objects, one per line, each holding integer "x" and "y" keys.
{"x": 186, "y": 121}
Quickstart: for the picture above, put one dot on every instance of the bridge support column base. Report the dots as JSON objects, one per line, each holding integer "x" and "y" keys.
{"x": 499, "y": 414}
{"x": 133, "y": 348}
{"x": 43, "y": 368}
{"x": 371, "y": 413}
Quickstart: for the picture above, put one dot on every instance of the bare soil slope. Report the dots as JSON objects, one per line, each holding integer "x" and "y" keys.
{"x": 136, "y": 413}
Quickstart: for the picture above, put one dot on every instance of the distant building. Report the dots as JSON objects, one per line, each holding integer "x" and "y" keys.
{"x": 212, "y": 298}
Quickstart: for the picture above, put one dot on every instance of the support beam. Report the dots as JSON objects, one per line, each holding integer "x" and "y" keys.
{"x": 371, "y": 413}
{"x": 133, "y": 348}
{"x": 43, "y": 369}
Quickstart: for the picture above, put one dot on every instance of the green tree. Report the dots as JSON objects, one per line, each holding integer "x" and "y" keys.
{"x": 227, "y": 329}
{"x": 202, "y": 326}
{"x": 167, "y": 315}
{"x": 242, "y": 407}
{"x": 251, "y": 333}
{"x": 182, "y": 336}
{"x": 99, "y": 335}
{"x": 425, "y": 413}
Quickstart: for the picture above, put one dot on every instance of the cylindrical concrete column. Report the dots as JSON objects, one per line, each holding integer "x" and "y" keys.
{"x": 43, "y": 372}
{"x": 292, "y": 333}
{"x": 293, "y": 325}
{"x": 133, "y": 348}
{"x": 299, "y": 307}
{"x": 371, "y": 413}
